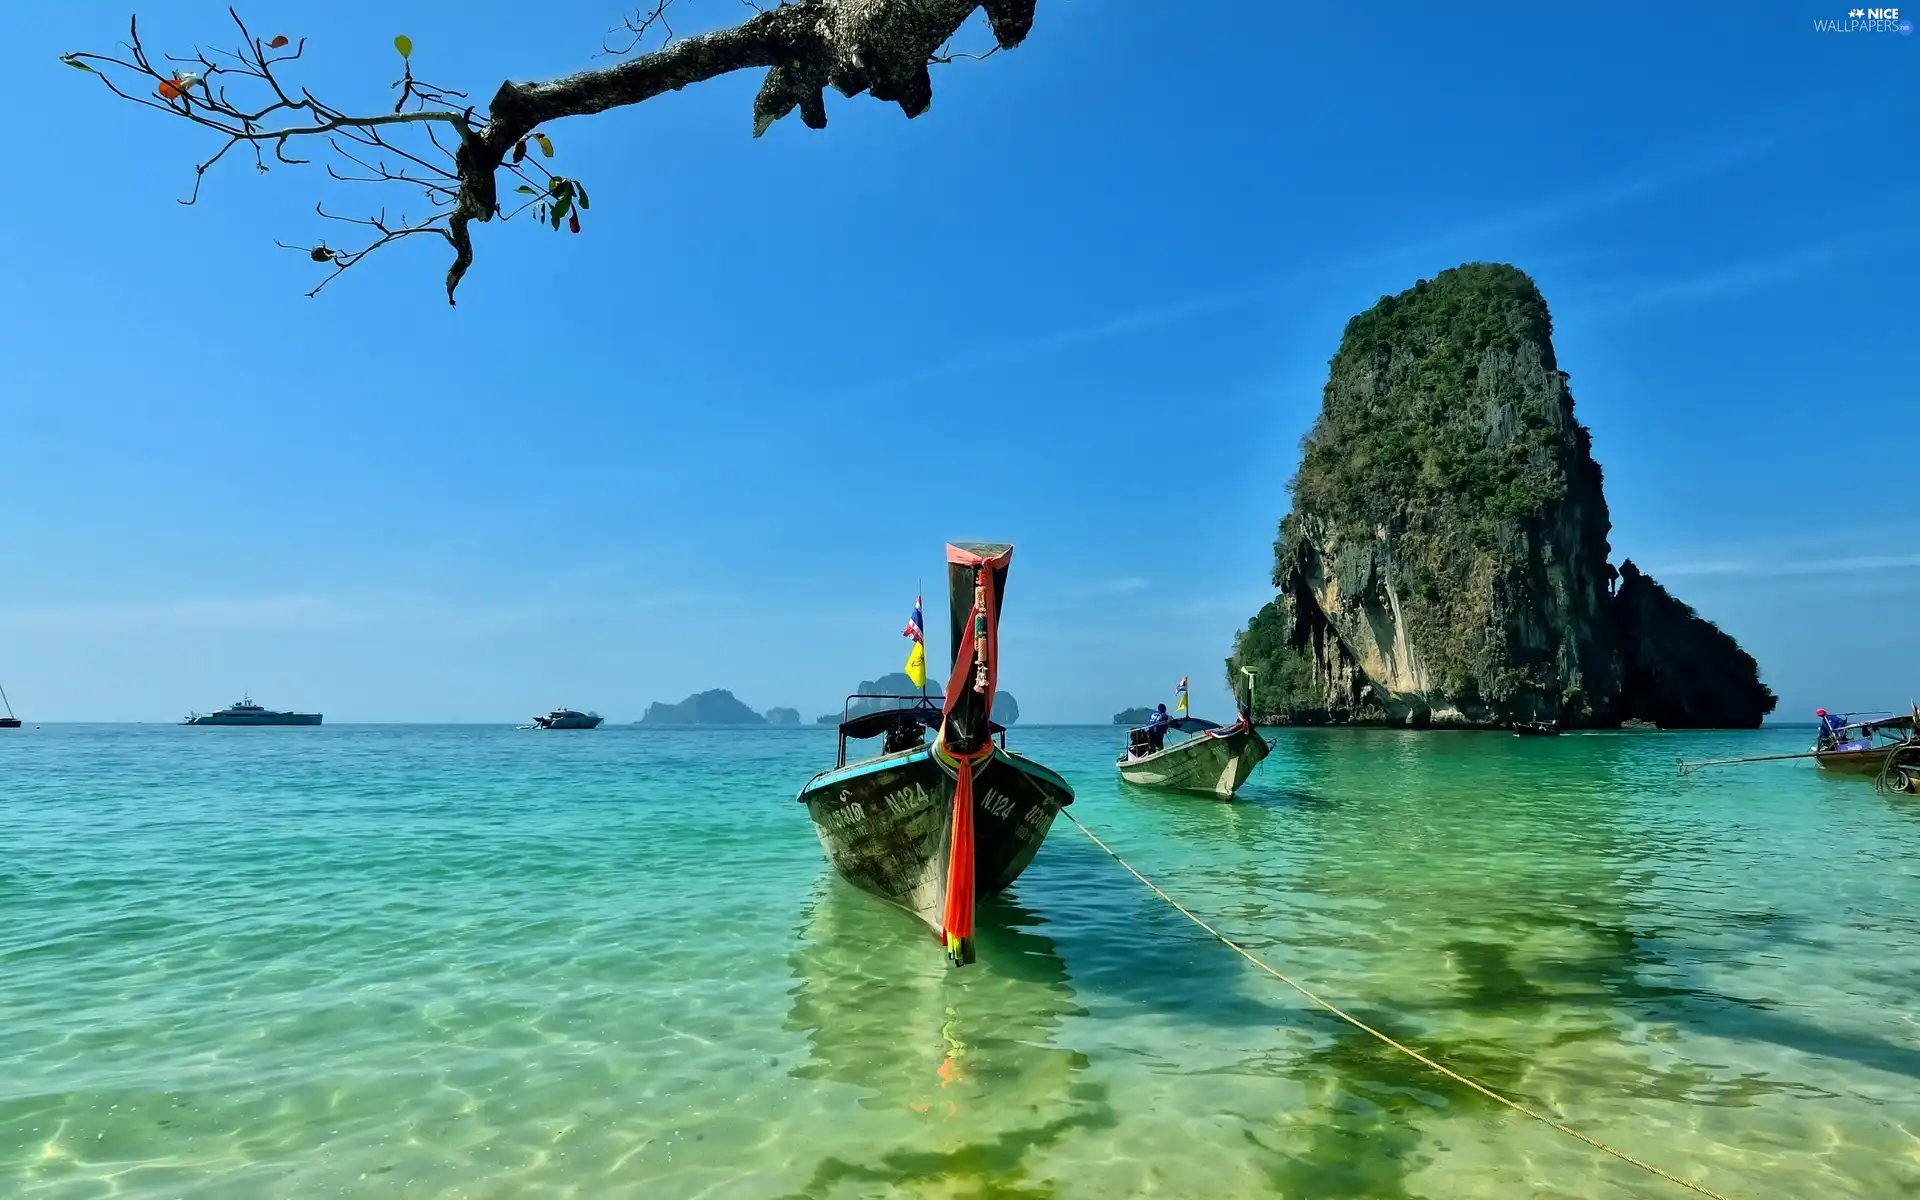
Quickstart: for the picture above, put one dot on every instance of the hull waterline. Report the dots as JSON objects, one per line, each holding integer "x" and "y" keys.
{"x": 1855, "y": 762}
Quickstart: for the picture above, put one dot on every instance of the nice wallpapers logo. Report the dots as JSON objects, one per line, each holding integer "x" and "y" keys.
{"x": 1867, "y": 20}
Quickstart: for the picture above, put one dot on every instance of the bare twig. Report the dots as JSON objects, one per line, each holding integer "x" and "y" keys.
{"x": 636, "y": 28}
{"x": 342, "y": 260}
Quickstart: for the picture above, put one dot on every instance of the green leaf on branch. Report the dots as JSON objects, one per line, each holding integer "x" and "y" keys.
{"x": 524, "y": 190}
{"x": 404, "y": 45}
{"x": 546, "y": 147}
{"x": 77, "y": 65}
{"x": 581, "y": 191}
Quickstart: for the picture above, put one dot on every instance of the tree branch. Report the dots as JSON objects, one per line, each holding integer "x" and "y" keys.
{"x": 879, "y": 46}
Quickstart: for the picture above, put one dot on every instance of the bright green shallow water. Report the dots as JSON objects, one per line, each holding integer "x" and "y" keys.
{"x": 483, "y": 962}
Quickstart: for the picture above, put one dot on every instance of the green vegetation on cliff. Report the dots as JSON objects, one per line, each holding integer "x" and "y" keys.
{"x": 1406, "y": 422}
{"x": 1445, "y": 559}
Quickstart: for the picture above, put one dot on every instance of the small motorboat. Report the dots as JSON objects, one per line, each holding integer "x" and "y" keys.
{"x": 1536, "y": 728}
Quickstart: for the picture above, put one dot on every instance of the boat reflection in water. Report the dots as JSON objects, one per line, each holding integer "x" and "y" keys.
{"x": 969, "y": 1057}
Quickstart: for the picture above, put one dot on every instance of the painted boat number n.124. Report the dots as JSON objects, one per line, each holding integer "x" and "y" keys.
{"x": 907, "y": 799}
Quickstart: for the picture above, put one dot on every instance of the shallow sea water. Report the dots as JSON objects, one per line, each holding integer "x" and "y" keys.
{"x": 482, "y": 962}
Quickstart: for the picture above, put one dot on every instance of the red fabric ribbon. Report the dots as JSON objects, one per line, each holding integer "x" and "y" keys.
{"x": 956, "y": 921}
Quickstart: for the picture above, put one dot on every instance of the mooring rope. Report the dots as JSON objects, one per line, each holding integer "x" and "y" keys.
{"x": 1409, "y": 1051}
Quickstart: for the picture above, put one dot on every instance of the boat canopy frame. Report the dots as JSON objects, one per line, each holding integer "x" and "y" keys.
{"x": 923, "y": 711}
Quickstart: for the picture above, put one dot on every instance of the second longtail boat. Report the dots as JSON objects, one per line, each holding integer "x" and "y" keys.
{"x": 1212, "y": 760}
{"x": 933, "y": 827}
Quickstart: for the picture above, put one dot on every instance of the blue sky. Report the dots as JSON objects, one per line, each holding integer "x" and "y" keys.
{"x": 1084, "y": 304}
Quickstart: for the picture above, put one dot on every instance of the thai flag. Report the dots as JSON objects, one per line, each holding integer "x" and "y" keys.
{"x": 916, "y": 624}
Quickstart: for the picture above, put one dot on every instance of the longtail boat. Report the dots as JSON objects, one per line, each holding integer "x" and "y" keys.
{"x": 1887, "y": 750}
{"x": 1211, "y": 759}
{"x": 932, "y": 827}
{"x": 1864, "y": 747}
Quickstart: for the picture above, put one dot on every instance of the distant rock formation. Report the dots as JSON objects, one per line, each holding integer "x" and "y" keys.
{"x": 1132, "y": 716}
{"x": 1006, "y": 710}
{"x": 717, "y": 707}
{"x": 783, "y": 716}
{"x": 1679, "y": 670}
{"x": 1445, "y": 559}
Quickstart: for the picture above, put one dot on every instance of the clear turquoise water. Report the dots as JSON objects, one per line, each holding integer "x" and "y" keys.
{"x": 483, "y": 962}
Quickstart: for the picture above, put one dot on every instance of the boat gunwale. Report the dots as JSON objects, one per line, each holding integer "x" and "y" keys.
{"x": 880, "y": 762}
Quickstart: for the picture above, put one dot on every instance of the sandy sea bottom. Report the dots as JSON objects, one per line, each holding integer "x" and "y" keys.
{"x": 479, "y": 962}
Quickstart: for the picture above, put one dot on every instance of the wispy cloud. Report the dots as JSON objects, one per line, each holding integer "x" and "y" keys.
{"x": 1725, "y": 281}
{"x": 280, "y": 612}
{"x": 1637, "y": 184}
{"x": 1857, "y": 564}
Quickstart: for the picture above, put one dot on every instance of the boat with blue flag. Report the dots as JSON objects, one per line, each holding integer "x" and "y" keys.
{"x": 944, "y": 813}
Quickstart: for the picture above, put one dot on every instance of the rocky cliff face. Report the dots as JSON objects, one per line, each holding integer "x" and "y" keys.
{"x": 1680, "y": 671}
{"x": 1445, "y": 561}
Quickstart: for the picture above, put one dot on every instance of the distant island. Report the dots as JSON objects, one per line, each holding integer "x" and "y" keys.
{"x": 783, "y": 716}
{"x": 717, "y": 707}
{"x": 1006, "y": 710}
{"x": 1445, "y": 562}
{"x": 1132, "y": 716}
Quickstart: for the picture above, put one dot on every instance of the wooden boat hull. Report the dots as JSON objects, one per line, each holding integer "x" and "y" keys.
{"x": 886, "y": 824}
{"x": 1856, "y": 762}
{"x": 1209, "y": 764}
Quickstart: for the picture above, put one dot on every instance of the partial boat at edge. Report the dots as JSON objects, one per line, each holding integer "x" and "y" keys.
{"x": 1855, "y": 750}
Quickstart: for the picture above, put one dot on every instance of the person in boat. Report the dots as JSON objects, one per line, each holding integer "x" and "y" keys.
{"x": 1157, "y": 725}
{"x": 1831, "y": 725}
{"x": 907, "y": 734}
